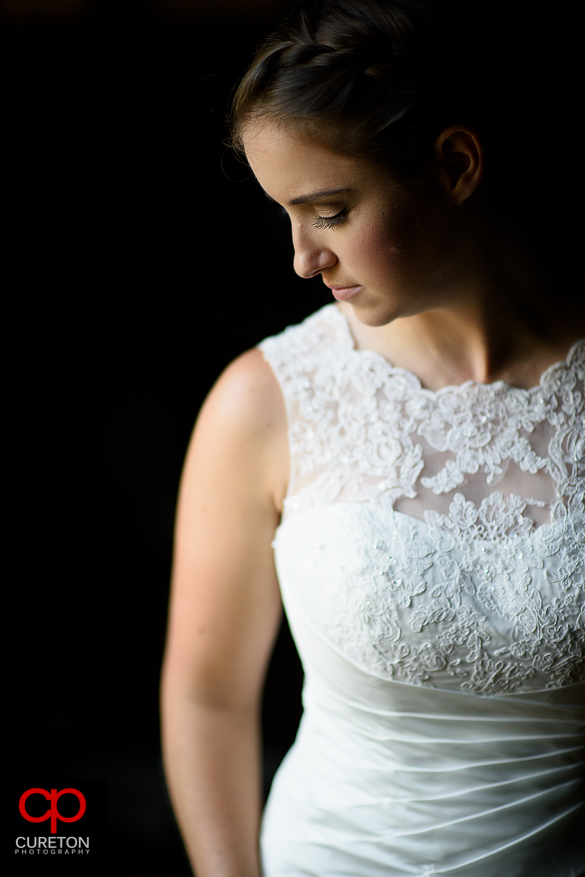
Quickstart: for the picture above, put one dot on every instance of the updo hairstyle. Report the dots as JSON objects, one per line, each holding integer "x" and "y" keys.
{"x": 366, "y": 78}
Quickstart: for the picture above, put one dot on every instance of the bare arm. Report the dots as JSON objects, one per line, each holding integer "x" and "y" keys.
{"x": 224, "y": 615}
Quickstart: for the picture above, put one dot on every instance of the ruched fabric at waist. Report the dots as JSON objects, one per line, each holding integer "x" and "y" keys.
{"x": 391, "y": 779}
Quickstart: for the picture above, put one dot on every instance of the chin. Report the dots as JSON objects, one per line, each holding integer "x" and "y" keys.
{"x": 376, "y": 316}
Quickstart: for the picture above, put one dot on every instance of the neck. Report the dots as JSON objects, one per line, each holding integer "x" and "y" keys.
{"x": 500, "y": 317}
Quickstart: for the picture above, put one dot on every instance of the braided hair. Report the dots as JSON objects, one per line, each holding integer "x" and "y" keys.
{"x": 366, "y": 78}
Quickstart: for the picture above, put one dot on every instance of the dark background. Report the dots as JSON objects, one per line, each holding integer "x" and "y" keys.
{"x": 140, "y": 258}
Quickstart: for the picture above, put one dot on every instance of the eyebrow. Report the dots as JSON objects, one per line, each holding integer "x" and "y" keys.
{"x": 313, "y": 196}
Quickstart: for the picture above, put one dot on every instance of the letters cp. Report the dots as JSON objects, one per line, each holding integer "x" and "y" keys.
{"x": 53, "y": 812}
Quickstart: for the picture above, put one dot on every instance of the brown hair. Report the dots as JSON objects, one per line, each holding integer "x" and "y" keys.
{"x": 367, "y": 78}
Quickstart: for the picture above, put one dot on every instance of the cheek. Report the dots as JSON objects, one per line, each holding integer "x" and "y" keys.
{"x": 379, "y": 246}
{"x": 388, "y": 254}
{"x": 424, "y": 241}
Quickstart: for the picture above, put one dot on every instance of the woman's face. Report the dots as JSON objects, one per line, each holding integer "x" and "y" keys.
{"x": 375, "y": 245}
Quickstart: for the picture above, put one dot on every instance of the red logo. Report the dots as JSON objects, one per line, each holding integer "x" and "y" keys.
{"x": 52, "y": 796}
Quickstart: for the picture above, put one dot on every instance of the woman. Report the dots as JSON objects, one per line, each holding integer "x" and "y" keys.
{"x": 417, "y": 447}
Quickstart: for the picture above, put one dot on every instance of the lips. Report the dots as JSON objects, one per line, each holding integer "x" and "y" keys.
{"x": 333, "y": 286}
{"x": 343, "y": 293}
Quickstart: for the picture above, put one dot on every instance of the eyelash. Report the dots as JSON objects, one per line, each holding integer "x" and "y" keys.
{"x": 331, "y": 221}
{"x": 321, "y": 221}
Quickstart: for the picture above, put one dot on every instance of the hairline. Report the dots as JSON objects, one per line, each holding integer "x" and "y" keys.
{"x": 311, "y": 131}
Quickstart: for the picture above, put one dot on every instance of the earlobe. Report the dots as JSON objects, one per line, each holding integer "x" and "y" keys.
{"x": 459, "y": 154}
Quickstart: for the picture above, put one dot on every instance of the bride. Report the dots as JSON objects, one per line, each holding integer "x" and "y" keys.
{"x": 405, "y": 470}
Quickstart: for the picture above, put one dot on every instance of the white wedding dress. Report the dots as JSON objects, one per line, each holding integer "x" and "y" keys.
{"x": 431, "y": 557}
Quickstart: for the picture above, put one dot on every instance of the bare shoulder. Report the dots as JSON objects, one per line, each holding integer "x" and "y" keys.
{"x": 225, "y": 603}
{"x": 243, "y": 419}
{"x": 247, "y": 390}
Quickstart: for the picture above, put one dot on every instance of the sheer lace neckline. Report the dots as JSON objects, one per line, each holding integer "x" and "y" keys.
{"x": 349, "y": 341}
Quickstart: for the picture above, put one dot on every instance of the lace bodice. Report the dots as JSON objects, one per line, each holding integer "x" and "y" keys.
{"x": 434, "y": 537}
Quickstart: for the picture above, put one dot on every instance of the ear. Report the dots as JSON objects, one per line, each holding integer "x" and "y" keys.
{"x": 459, "y": 156}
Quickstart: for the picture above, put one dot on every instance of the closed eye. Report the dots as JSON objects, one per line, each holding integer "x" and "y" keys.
{"x": 331, "y": 221}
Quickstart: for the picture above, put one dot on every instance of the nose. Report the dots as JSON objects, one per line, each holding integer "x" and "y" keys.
{"x": 311, "y": 256}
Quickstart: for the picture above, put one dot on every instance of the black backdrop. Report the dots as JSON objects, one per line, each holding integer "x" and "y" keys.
{"x": 140, "y": 259}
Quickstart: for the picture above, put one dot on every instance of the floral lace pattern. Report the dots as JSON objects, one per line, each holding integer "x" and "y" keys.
{"x": 442, "y": 533}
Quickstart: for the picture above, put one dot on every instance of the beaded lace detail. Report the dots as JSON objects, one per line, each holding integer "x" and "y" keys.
{"x": 434, "y": 537}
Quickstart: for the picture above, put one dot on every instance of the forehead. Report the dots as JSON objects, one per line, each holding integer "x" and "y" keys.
{"x": 287, "y": 164}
